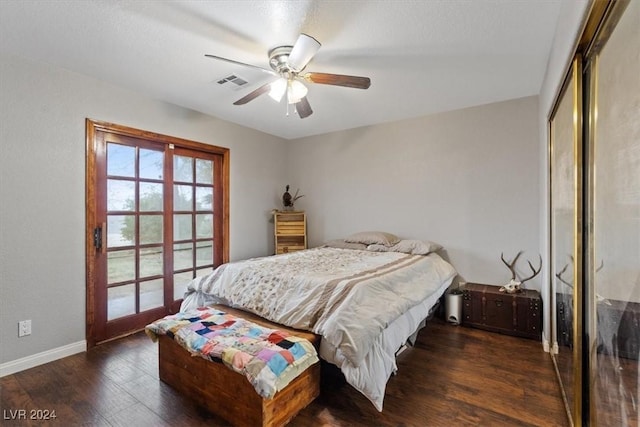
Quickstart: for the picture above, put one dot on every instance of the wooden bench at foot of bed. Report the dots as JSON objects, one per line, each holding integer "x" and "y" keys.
{"x": 229, "y": 394}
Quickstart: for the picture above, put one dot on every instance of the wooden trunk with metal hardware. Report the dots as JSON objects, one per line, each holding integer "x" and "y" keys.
{"x": 518, "y": 314}
{"x": 229, "y": 394}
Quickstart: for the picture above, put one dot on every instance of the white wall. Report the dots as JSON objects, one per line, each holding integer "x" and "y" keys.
{"x": 42, "y": 191}
{"x": 467, "y": 179}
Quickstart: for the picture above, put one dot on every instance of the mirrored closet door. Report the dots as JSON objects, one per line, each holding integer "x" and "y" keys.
{"x": 612, "y": 259}
{"x": 595, "y": 222}
{"x": 566, "y": 234}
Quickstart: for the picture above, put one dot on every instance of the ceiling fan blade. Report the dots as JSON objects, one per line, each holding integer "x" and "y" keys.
{"x": 303, "y": 108}
{"x": 339, "y": 80}
{"x": 253, "y": 95}
{"x": 302, "y": 52}
{"x": 242, "y": 64}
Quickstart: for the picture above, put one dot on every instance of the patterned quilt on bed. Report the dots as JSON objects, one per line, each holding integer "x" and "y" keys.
{"x": 268, "y": 358}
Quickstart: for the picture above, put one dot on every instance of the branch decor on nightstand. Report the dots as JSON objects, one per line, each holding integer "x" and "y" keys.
{"x": 288, "y": 200}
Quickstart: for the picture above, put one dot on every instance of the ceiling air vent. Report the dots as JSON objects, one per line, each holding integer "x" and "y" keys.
{"x": 237, "y": 81}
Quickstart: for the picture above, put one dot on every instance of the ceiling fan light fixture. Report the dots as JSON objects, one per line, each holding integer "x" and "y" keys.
{"x": 278, "y": 88}
{"x": 296, "y": 91}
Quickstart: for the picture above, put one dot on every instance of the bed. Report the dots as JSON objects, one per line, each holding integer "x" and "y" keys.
{"x": 365, "y": 298}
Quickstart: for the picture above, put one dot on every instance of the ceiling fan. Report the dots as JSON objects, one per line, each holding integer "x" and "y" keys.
{"x": 287, "y": 64}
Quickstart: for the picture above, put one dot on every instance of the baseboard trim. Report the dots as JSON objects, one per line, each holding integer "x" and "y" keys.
{"x": 545, "y": 342}
{"x": 38, "y": 359}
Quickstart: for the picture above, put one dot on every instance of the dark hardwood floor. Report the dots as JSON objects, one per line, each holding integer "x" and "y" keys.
{"x": 454, "y": 376}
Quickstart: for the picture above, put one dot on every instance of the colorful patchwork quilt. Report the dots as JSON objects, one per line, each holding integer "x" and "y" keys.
{"x": 269, "y": 358}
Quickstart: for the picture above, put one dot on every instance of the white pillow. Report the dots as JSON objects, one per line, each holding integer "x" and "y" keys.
{"x": 416, "y": 247}
{"x": 373, "y": 238}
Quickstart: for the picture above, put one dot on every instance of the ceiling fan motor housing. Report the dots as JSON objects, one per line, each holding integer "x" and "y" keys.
{"x": 279, "y": 60}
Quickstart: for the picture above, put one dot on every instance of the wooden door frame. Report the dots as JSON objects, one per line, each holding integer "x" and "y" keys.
{"x": 94, "y": 126}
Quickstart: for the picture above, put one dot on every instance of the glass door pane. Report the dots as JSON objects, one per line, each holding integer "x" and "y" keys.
{"x": 565, "y": 153}
{"x": 193, "y": 217}
{"x": 614, "y": 270}
{"x": 135, "y": 239}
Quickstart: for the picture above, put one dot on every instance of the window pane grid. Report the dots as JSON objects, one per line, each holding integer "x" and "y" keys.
{"x": 193, "y": 217}
{"x": 135, "y": 224}
{"x": 137, "y": 215}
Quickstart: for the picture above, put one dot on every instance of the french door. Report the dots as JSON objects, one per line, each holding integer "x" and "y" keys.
{"x": 156, "y": 218}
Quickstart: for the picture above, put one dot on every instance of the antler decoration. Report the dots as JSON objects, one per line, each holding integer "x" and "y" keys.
{"x": 515, "y": 285}
{"x": 559, "y": 274}
{"x": 511, "y": 266}
{"x": 533, "y": 270}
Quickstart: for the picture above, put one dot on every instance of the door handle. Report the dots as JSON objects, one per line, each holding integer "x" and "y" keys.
{"x": 99, "y": 239}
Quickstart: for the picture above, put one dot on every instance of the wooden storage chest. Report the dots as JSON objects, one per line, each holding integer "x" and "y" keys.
{"x": 290, "y": 230}
{"x": 518, "y": 314}
{"x": 229, "y": 394}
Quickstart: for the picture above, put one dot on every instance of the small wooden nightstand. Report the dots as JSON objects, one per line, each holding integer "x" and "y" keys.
{"x": 518, "y": 314}
{"x": 290, "y": 229}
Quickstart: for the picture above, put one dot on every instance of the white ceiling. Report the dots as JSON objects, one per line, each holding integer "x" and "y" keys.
{"x": 422, "y": 57}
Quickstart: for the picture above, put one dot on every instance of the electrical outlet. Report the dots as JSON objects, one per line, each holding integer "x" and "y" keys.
{"x": 24, "y": 328}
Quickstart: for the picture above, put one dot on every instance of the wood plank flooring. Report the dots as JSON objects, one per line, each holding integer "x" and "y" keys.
{"x": 454, "y": 376}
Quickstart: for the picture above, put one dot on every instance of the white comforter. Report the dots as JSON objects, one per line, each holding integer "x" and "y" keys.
{"x": 349, "y": 297}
